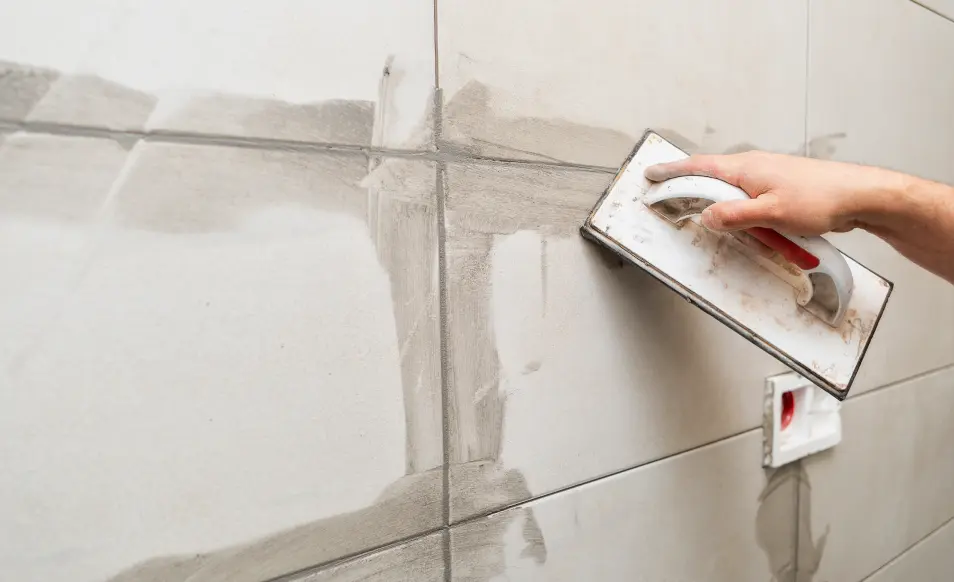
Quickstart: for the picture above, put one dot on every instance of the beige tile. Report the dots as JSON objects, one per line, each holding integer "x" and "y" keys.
{"x": 357, "y": 73}
{"x": 928, "y": 561}
{"x": 711, "y": 514}
{"x": 242, "y": 380}
{"x": 564, "y": 365}
{"x": 421, "y": 560}
{"x": 885, "y": 486}
{"x": 875, "y": 97}
{"x": 547, "y": 80}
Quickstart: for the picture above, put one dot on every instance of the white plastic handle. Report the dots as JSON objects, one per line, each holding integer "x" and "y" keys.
{"x": 832, "y": 283}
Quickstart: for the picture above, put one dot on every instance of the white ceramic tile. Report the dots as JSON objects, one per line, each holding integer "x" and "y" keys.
{"x": 358, "y": 72}
{"x": 711, "y": 514}
{"x": 885, "y": 486}
{"x": 421, "y": 560}
{"x": 552, "y": 79}
{"x": 876, "y": 97}
{"x": 565, "y": 366}
{"x": 240, "y": 375}
{"x": 929, "y": 561}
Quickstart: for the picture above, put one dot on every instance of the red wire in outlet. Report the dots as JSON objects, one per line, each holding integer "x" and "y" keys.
{"x": 788, "y": 409}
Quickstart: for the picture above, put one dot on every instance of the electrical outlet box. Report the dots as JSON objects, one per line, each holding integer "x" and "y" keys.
{"x": 799, "y": 419}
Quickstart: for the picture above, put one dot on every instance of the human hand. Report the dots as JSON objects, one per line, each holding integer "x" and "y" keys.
{"x": 809, "y": 197}
{"x": 789, "y": 194}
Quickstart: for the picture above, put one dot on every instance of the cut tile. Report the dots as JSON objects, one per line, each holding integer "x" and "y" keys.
{"x": 421, "y": 560}
{"x": 241, "y": 381}
{"x": 893, "y": 110}
{"x": 885, "y": 486}
{"x": 929, "y": 561}
{"x": 540, "y": 79}
{"x": 711, "y": 514}
{"x": 565, "y": 366}
{"x": 356, "y": 73}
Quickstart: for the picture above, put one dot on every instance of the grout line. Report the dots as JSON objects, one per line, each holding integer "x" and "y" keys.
{"x": 807, "y": 153}
{"x": 441, "y": 193}
{"x": 901, "y": 382}
{"x": 949, "y": 521}
{"x": 798, "y": 525}
{"x": 448, "y": 562}
{"x": 933, "y": 10}
{"x": 808, "y": 61}
{"x": 317, "y": 568}
{"x": 272, "y": 144}
{"x": 437, "y": 56}
{"x": 590, "y": 481}
{"x": 443, "y": 335}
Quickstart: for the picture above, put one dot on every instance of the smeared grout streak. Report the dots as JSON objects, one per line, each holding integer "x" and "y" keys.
{"x": 195, "y": 189}
{"x": 91, "y": 100}
{"x": 43, "y": 166}
{"x": 21, "y": 88}
{"x": 773, "y": 523}
{"x": 543, "y": 276}
{"x": 476, "y": 403}
{"x": 810, "y": 550}
{"x": 479, "y": 547}
{"x": 531, "y": 367}
{"x": 482, "y": 203}
{"x": 396, "y": 514}
{"x": 486, "y": 202}
{"x": 824, "y": 147}
{"x": 336, "y": 120}
{"x": 471, "y": 127}
{"x": 417, "y": 560}
{"x": 381, "y": 113}
{"x": 403, "y": 208}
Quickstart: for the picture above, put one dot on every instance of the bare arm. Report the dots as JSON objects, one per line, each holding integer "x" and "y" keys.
{"x": 811, "y": 197}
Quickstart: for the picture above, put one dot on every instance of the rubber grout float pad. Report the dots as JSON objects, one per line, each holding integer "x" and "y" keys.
{"x": 798, "y": 298}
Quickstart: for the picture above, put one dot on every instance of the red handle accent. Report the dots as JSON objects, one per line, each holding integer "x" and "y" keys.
{"x": 788, "y": 249}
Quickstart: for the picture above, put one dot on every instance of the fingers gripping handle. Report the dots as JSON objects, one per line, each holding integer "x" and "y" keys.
{"x": 831, "y": 280}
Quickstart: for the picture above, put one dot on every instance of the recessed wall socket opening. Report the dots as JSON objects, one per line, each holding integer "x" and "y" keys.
{"x": 799, "y": 419}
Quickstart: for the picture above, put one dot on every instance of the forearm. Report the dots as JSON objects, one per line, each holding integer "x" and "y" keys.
{"x": 915, "y": 216}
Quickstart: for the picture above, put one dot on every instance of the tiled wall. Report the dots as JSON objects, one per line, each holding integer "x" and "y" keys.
{"x": 293, "y": 289}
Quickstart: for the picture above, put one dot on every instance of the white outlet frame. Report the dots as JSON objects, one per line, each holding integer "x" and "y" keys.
{"x": 815, "y": 426}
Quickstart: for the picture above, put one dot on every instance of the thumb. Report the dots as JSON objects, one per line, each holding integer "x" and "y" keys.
{"x": 741, "y": 214}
